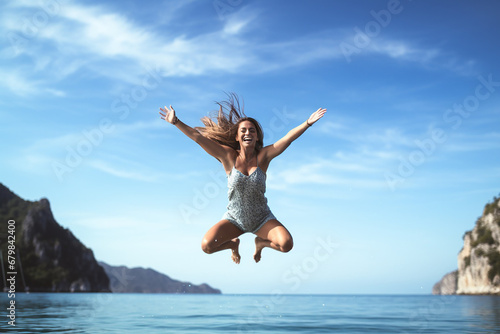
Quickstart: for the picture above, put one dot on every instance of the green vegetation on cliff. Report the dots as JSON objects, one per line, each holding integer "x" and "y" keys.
{"x": 466, "y": 261}
{"x": 491, "y": 207}
{"x": 484, "y": 235}
{"x": 11, "y": 208}
{"x": 494, "y": 262}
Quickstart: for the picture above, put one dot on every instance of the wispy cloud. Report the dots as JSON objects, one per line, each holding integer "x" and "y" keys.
{"x": 110, "y": 44}
{"x": 18, "y": 82}
{"x": 104, "y": 223}
{"x": 39, "y": 156}
{"x": 360, "y": 167}
{"x": 237, "y": 22}
{"x": 131, "y": 173}
{"x": 370, "y": 153}
{"x": 474, "y": 142}
{"x": 432, "y": 58}
{"x": 363, "y": 134}
{"x": 328, "y": 174}
{"x": 140, "y": 126}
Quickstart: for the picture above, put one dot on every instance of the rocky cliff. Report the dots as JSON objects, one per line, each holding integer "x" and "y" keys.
{"x": 479, "y": 260}
{"x": 143, "y": 280}
{"x": 49, "y": 257}
{"x": 447, "y": 285}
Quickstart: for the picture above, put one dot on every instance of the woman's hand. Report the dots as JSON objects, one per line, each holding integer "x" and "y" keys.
{"x": 315, "y": 116}
{"x": 168, "y": 114}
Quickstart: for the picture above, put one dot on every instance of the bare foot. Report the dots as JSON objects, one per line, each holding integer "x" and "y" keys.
{"x": 259, "y": 245}
{"x": 235, "y": 256}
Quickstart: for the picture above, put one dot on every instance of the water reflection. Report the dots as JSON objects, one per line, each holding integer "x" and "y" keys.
{"x": 483, "y": 311}
{"x": 56, "y": 312}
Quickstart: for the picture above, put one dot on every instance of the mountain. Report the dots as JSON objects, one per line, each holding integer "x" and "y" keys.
{"x": 447, "y": 285}
{"x": 479, "y": 260}
{"x": 49, "y": 258}
{"x": 123, "y": 279}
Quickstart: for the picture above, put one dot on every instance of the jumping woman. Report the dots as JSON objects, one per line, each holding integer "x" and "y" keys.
{"x": 237, "y": 143}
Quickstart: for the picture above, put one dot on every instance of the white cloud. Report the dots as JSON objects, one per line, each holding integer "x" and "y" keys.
{"x": 361, "y": 170}
{"x": 462, "y": 143}
{"x": 365, "y": 134}
{"x": 132, "y": 173}
{"x": 146, "y": 127}
{"x": 237, "y": 22}
{"x": 431, "y": 58}
{"x": 111, "y": 45}
{"x": 104, "y": 223}
{"x": 18, "y": 82}
{"x": 129, "y": 217}
{"x": 56, "y": 92}
{"x": 368, "y": 154}
{"x": 40, "y": 155}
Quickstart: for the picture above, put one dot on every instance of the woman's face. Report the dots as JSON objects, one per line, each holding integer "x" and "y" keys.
{"x": 247, "y": 134}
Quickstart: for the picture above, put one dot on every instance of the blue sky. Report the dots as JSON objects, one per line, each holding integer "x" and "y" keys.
{"x": 377, "y": 195}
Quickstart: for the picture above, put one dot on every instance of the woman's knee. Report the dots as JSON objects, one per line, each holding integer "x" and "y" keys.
{"x": 207, "y": 246}
{"x": 287, "y": 245}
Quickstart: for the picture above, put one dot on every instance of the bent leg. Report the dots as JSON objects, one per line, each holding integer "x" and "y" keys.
{"x": 223, "y": 235}
{"x": 273, "y": 235}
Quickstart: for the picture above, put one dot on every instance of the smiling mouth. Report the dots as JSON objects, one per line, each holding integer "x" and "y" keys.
{"x": 247, "y": 139}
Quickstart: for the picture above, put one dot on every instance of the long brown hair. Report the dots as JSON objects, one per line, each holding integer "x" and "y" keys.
{"x": 222, "y": 125}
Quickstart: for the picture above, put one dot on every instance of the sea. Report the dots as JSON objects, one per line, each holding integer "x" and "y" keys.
{"x": 203, "y": 314}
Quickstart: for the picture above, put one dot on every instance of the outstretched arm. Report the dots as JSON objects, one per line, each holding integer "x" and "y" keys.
{"x": 218, "y": 151}
{"x": 272, "y": 151}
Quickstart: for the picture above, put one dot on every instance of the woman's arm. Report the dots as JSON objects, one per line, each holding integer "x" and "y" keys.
{"x": 272, "y": 151}
{"x": 218, "y": 151}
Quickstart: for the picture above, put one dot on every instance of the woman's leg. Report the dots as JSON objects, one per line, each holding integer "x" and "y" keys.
{"x": 223, "y": 235}
{"x": 273, "y": 235}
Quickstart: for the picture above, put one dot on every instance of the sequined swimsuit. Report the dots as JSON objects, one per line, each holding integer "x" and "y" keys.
{"x": 247, "y": 208}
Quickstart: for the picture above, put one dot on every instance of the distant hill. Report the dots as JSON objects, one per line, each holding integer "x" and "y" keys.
{"x": 479, "y": 260}
{"x": 140, "y": 280}
{"x": 49, "y": 257}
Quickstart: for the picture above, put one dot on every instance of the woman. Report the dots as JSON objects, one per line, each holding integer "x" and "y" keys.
{"x": 237, "y": 142}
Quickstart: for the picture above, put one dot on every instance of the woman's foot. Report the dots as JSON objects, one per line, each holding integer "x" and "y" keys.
{"x": 259, "y": 245}
{"x": 235, "y": 255}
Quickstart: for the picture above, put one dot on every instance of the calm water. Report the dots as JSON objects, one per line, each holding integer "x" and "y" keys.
{"x": 160, "y": 313}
